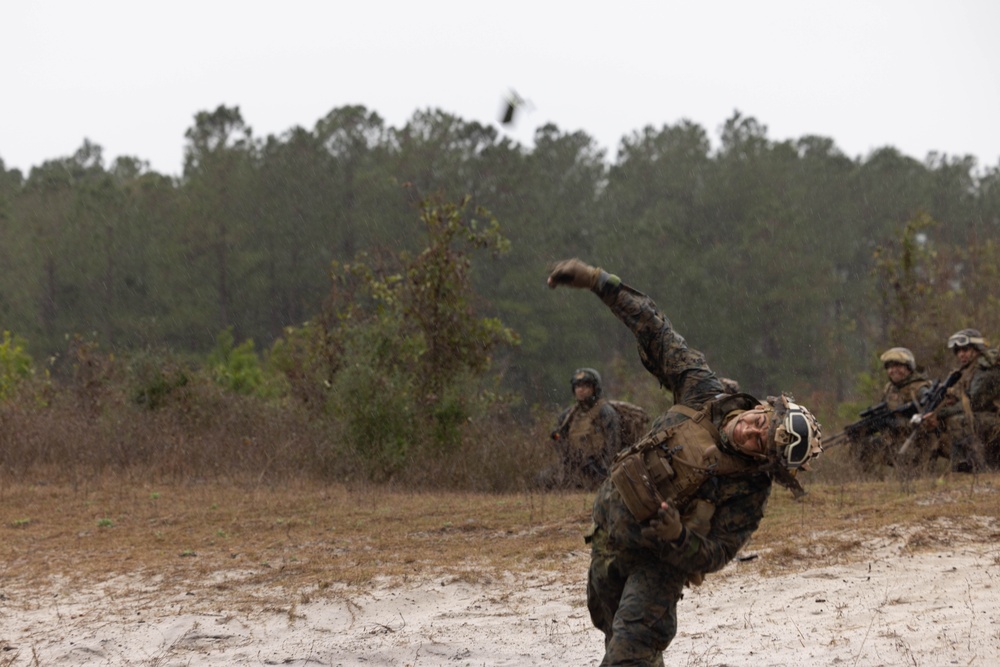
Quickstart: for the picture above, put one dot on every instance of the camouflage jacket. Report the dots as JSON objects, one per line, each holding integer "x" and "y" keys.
{"x": 589, "y": 436}
{"x": 980, "y": 381}
{"x": 739, "y": 501}
{"x": 912, "y": 389}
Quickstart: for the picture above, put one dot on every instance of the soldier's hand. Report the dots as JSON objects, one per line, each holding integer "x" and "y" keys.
{"x": 666, "y": 526}
{"x": 573, "y": 273}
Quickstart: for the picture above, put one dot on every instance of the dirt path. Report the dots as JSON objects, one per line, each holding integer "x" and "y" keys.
{"x": 891, "y": 608}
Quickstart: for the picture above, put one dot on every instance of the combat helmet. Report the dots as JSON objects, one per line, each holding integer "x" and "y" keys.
{"x": 794, "y": 435}
{"x": 795, "y": 439}
{"x": 965, "y": 338}
{"x": 588, "y": 375}
{"x": 899, "y": 355}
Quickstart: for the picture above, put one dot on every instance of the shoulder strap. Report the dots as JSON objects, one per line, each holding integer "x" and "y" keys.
{"x": 569, "y": 416}
{"x": 699, "y": 417}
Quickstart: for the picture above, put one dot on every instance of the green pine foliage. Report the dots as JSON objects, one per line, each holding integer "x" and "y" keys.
{"x": 788, "y": 263}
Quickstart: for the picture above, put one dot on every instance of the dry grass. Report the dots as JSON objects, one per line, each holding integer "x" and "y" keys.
{"x": 297, "y": 539}
{"x": 283, "y": 544}
{"x": 840, "y": 522}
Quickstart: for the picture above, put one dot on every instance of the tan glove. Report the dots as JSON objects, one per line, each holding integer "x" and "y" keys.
{"x": 666, "y": 527}
{"x": 574, "y": 273}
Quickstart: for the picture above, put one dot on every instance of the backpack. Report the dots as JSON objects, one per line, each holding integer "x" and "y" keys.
{"x": 633, "y": 422}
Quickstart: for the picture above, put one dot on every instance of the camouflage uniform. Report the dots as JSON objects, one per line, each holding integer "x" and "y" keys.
{"x": 633, "y": 584}
{"x": 970, "y": 415}
{"x": 587, "y": 437}
{"x": 881, "y": 448}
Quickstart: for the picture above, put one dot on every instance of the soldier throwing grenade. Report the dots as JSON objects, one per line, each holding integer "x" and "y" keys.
{"x": 685, "y": 499}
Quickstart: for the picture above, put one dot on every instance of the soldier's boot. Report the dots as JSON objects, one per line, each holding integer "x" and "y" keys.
{"x": 967, "y": 455}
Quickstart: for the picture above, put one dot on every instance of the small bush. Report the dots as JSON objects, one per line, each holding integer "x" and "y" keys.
{"x": 239, "y": 369}
{"x": 16, "y": 364}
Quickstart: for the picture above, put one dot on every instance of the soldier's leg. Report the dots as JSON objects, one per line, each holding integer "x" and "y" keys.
{"x": 966, "y": 448}
{"x": 943, "y": 449}
{"x": 864, "y": 452}
{"x": 920, "y": 455}
{"x": 646, "y": 620}
{"x": 604, "y": 586}
{"x": 550, "y": 478}
{"x": 988, "y": 430}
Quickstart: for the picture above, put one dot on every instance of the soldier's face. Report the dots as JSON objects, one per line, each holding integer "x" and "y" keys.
{"x": 897, "y": 372}
{"x": 583, "y": 390}
{"x": 748, "y": 433}
{"x": 966, "y": 354}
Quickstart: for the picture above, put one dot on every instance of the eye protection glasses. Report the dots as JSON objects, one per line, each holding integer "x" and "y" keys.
{"x": 798, "y": 448}
{"x": 961, "y": 340}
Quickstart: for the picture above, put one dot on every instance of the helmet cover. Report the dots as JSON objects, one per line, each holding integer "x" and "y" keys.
{"x": 899, "y": 355}
{"x": 588, "y": 375}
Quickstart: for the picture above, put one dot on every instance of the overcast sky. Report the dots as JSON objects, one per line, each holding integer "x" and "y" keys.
{"x": 130, "y": 76}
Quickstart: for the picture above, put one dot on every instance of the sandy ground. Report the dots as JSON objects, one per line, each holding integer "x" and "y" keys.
{"x": 891, "y": 608}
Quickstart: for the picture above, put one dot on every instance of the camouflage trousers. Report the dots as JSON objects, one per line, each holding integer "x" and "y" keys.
{"x": 633, "y": 601}
{"x": 968, "y": 453}
{"x": 976, "y": 446}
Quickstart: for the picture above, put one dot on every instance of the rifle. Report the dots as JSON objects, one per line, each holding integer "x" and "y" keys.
{"x": 872, "y": 420}
{"x": 932, "y": 401}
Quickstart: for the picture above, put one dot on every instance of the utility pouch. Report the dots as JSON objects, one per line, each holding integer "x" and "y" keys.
{"x": 635, "y": 485}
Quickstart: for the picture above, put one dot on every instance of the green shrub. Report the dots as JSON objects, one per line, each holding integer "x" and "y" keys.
{"x": 238, "y": 369}
{"x": 400, "y": 355}
{"x": 15, "y": 364}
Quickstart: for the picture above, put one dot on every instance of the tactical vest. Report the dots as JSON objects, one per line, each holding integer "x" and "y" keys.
{"x": 584, "y": 428}
{"x": 896, "y": 397}
{"x": 672, "y": 463}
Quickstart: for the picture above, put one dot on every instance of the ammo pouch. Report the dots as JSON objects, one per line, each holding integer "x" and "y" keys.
{"x": 632, "y": 478}
{"x": 651, "y": 471}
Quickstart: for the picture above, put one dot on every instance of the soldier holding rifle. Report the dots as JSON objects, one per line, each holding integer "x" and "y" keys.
{"x": 883, "y": 428}
{"x": 969, "y": 414}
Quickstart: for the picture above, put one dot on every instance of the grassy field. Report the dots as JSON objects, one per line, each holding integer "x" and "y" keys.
{"x": 294, "y": 542}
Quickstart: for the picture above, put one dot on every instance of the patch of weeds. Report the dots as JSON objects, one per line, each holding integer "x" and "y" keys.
{"x": 21, "y": 523}
{"x": 105, "y": 522}
{"x": 188, "y": 553}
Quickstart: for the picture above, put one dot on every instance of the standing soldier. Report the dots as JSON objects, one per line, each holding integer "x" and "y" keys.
{"x": 685, "y": 499}
{"x": 587, "y": 436}
{"x": 970, "y": 413}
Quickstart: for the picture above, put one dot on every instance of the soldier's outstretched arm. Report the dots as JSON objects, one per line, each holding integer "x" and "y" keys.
{"x": 662, "y": 350}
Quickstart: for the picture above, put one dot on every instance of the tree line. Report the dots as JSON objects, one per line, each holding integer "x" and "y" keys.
{"x": 790, "y": 264}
